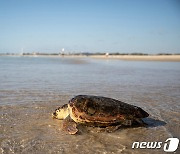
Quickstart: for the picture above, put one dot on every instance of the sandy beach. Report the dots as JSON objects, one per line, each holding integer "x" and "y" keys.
{"x": 124, "y": 55}
{"x": 140, "y": 57}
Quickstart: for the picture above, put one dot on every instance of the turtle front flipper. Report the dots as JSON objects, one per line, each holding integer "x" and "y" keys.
{"x": 69, "y": 126}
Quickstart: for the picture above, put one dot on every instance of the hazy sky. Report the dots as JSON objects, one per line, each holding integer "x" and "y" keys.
{"x": 148, "y": 26}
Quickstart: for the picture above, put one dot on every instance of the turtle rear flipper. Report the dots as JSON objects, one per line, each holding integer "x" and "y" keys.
{"x": 69, "y": 126}
{"x": 127, "y": 122}
{"x": 140, "y": 122}
{"x": 110, "y": 129}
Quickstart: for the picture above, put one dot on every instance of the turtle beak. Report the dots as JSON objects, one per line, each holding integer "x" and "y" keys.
{"x": 54, "y": 115}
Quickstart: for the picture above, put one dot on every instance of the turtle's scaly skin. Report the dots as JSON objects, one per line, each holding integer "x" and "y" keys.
{"x": 103, "y": 111}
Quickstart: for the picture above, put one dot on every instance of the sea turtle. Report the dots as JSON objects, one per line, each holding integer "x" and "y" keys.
{"x": 98, "y": 111}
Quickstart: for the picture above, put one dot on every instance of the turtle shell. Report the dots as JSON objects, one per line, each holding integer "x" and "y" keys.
{"x": 103, "y": 110}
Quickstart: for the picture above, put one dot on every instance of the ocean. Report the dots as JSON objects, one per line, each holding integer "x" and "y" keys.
{"x": 31, "y": 88}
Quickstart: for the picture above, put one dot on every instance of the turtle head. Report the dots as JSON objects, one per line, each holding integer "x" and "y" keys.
{"x": 61, "y": 113}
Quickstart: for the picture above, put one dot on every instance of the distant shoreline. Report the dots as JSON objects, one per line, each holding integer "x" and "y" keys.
{"x": 141, "y": 57}
{"x": 175, "y": 58}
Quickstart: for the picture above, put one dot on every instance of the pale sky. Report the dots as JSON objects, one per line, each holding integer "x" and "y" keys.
{"x": 126, "y": 26}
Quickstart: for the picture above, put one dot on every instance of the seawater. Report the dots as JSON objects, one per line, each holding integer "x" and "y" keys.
{"x": 31, "y": 88}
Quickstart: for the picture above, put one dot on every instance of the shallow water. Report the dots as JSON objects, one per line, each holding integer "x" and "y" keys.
{"x": 32, "y": 87}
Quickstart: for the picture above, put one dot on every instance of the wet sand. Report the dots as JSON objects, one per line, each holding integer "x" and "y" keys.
{"x": 30, "y": 129}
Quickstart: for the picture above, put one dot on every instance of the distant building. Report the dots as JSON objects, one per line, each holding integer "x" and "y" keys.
{"x": 22, "y": 52}
{"x": 62, "y": 52}
{"x": 107, "y": 54}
